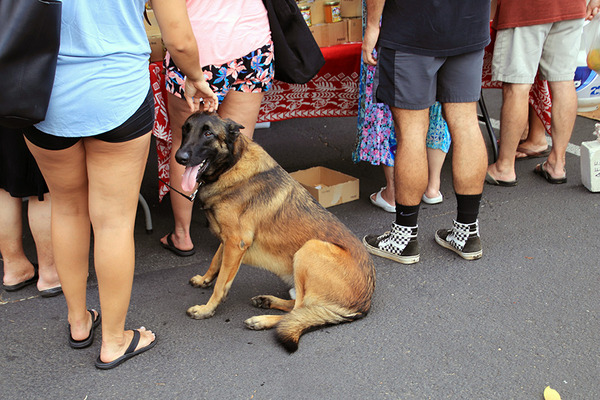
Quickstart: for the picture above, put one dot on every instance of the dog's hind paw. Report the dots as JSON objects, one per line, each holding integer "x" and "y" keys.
{"x": 261, "y": 322}
{"x": 200, "y": 312}
{"x": 261, "y": 301}
{"x": 199, "y": 281}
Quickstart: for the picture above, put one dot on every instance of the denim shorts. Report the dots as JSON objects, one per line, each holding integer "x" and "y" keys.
{"x": 137, "y": 125}
{"x": 415, "y": 82}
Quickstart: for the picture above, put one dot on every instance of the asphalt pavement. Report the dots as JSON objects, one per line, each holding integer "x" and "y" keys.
{"x": 523, "y": 317}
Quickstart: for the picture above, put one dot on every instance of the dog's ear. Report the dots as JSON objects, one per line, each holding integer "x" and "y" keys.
{"x": 233, "y": 128}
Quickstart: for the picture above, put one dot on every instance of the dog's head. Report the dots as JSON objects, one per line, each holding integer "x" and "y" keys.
{"x": 207, "y": 148}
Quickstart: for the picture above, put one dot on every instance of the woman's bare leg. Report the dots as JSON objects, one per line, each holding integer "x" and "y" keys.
{"x": 242, "y": 108}
{"x": 17, "y": 268}
{"x": 387, "y": 194}
{"x": 115, "y": 172}
{"x": 39, "y": 216}
{"x": 65, "y": 173}
{"x": 179, "y": 111}
{"x": 435, "y": 162}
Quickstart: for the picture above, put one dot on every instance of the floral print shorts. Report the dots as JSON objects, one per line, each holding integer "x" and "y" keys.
{"x": 252, "y": 73}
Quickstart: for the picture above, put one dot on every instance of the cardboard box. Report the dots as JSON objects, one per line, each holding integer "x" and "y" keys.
{"x": 330, "y": 34}
{"x": 329, "y": 187}
{"x": 157, "y": 48}
{"x": 354, "y": 28}
{"x": 351, "y": 8}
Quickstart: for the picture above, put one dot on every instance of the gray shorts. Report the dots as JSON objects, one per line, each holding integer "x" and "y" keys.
{"x": 553, "y": 47}
{"x": 415, "y": 82}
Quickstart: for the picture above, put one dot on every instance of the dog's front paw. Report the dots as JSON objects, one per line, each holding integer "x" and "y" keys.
{"x": 200, "y": 281}
{"x": 200, "y": 312}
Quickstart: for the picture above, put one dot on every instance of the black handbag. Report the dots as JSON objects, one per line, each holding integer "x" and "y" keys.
{"x": 298, "y": 57}
{"x": 29, "y": 42}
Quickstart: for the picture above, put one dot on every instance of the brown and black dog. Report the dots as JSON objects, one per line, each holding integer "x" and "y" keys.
{"x": 265, "y": 218}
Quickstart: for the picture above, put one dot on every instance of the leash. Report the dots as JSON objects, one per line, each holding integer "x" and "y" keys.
{"x": 190, "y": 198}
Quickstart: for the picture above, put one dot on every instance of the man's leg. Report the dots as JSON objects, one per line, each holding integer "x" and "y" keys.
{"x": 469, "y": 155}
{"x": 564, "y": 112}
{"x": 513, "y": 121}
{"x": 533, "y": 141}
{"x": 558, "y": 65}
{"x": 469, "y": 160}
{"x": 410, "y": 163}
{"x": 410, "y": 175}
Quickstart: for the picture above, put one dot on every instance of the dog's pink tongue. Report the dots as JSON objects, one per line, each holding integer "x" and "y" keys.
{"x": 188, "y": 182}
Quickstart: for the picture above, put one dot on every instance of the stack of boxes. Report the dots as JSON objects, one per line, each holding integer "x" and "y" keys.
{"x": 333, "y": 22}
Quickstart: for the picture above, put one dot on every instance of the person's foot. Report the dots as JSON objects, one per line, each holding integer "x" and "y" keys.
{"x": 19, "y": 275}
{"x": 546, "y": 171}
{"x": 528, "y": 150}
{"x": 400, "y": 244}
{"x": 133, "y": 344}
{"x": 432, "y": 197}
{"x": 382, "y": 199}
{"x": 89, "y": 339}
{"x": 48, "y": 279}
{"x": 463, "y": 239}
{"x": 180, "y": 245}
{"x": 80, "y": 330}
{"x": 503, "y": 178}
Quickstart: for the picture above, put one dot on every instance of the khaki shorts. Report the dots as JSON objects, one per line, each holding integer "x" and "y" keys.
{"x": 553, "y": 47}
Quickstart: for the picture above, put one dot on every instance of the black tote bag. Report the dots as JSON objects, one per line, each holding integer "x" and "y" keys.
{"x": 29, "y": 42}
{"x": 298, "y": 57}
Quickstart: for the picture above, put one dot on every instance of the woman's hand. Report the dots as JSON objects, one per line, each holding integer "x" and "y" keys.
{"x": 197, "y": 90}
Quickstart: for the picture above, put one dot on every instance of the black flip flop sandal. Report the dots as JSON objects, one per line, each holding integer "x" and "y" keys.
{"x": 82, "y": 344}
{"x": 171, "y": 246}
{"x": 130, "y": 352}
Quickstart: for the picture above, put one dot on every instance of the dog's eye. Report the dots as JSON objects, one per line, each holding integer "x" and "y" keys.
{"x": 207, "y": 132}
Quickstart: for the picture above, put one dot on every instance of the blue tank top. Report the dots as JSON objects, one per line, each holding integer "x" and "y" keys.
{"x": 438, "y": 28}
{"x": 102, "y": 73}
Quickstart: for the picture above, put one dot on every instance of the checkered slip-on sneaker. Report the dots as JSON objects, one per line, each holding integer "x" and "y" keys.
{"x": 400, "y": 244}
{"x": 463, "y": 239}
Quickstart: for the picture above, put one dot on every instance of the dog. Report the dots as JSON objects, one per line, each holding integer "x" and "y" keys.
{"x": 266, "y": 219}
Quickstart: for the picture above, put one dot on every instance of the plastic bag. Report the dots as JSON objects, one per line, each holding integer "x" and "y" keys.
{"x": 591, "y": 38}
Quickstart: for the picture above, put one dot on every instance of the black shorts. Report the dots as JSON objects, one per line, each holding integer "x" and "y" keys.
{"x": 415, "y": 82}
{"x": 137, "y": 125}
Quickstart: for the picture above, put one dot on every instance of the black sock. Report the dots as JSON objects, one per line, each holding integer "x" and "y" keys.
{"x": 467, "y": 207}
{"x": 407, "y": 215}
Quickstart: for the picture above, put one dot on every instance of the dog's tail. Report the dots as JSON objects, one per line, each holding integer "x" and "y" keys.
{"x": 302, "y": 319}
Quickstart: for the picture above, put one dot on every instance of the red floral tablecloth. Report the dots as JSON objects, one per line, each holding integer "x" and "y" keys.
{"x": 161, "y": 129}
{"x": 332, "y": 93}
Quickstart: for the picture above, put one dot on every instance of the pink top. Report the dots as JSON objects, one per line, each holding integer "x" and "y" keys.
{"x": 228, "y": 29}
